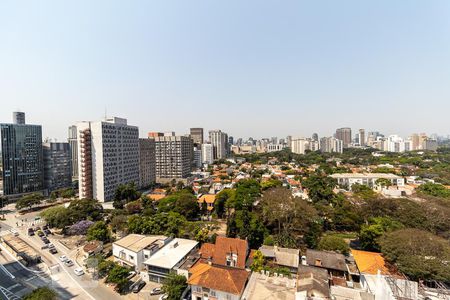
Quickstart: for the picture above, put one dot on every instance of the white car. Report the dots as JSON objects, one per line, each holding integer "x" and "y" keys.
{"x": 63, "y": 258}
{"x": 14, "y": 232}
{"x": 78, "y": 271}
{"x": 163, "y": 297}
{"x": 68, "y": 263}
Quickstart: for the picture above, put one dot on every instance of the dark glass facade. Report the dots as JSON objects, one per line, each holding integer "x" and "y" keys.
{"x": 23, "y": 170}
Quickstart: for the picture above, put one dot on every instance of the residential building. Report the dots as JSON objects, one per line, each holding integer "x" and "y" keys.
{"x": 22, "y": 158}
{"x": 147, "y": 162}
{"x": 197, "y": 136}
{"x": 300, "y": 145}
{"x": 134, "y": 249}
{"x": 108, "y": 155}
{"x": 57, "y": 166}
{"x": 345, "y": 135}
{"x": 72, "y": 139}
{"x": 333, "y": 262}
{"x": 169, "y": 258}
{"x": 230, "y": 140}
{"x": 209, "y": 199}
{"x": 207, "y": 154}
{"x": 282, "y": 257}
{"x": 173, "y": 157}
{"x": 331, "y": 144}
{"x": 312, "y": 283}
{"x": 154, "y": 134}
{"x": 275, "y": 147}
{"x": 220, "y": 272}
{"x": 219, "y": 140}
{"x": 368, "y": 179}
{"x": 315, "y": 137}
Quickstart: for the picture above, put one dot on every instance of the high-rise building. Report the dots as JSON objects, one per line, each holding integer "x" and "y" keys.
{"x": 362, "y": 137}
{"x": 300, "y": 145}
{"x": 197, "y": 157}
{"x": 315, "y": 137}
{"x": 345, "y": 135}
{"x": 331, "y": 144}
{"x": 108, "y": 155}
{"x": 415, "y": 142}
{"x": 57, "y": 166}
{"x": 73, "y": 150}
{"x": 219, "y": 140}
{"x": 230, "y": 141}
{"x": 22, "y": 159}
{"x": 197, "y": 136}
{"x": 147, "y": 162}
{"x": 18, "y": 118}
{"x": 207, "y": 154}
{"x": 173, "y": 157}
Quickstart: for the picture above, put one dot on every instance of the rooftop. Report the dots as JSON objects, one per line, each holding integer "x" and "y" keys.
{"x": 283, "y": 256}
{"x": 172, "y": 253}
{"x": 370, "y": 262}
{"x": 263, "y": 287}
{"x": 221, "y": 278}
{"x": 326, "y": 259}
{"x": 138, "y": 242}
{"x": 225, "y": 246}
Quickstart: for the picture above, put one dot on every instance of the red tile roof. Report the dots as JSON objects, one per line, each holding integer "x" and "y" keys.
{"x": 225, "y": 279}
{"x": 225, "y": 246}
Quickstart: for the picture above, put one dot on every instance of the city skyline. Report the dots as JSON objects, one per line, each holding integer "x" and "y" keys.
{"x": 294, "y": 69}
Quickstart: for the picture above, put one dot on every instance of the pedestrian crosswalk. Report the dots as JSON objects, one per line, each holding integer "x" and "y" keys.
{"x": 9, "y": 295}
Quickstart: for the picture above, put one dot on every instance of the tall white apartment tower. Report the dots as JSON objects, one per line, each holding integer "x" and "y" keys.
{"x": 108, "y": 155}
{"x": 207, "y": 154}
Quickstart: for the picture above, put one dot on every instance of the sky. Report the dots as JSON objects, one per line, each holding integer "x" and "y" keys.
{"x": 251, "y": 68}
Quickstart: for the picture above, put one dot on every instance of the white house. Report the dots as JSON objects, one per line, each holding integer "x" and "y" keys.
{"x": 369, "y": 179}
{"x": 134, "y": 249}
{"x": 168, "y": 258}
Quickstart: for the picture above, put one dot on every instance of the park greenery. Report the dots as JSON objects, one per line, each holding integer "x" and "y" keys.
{"x": 41, "y": 293}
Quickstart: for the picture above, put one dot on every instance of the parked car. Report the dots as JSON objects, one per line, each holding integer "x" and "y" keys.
{"x": 68, "y": 263}
{"x": 30, "y": 231}
{"x": 78, "y": 271}
{"x": 63, "y": 258}
{"x": 47, "y": 231}
{"x": 46, "y": 241}
{"x": 156, "y": 291}
{"x": 131, "y": 275}
{"x": 45, "y": 227}
{"x": 14, "y": 232}
{"x": 44, "y": 247}
{"x": 40, "y": 233}
{"x": 163, "y": 297}
{"x": 138, "y": 286}
{"x": 51, "y": 246}
{"x": 53, "y": 251}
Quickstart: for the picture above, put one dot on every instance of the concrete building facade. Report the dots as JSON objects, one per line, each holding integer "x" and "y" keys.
{"x": 219, "y": 140}
{"x": 173, "y": 157}
{"x": 197, "y": 136}
{"x": 345, "y": 135}
{"x": 147, "y": 162}
{"x": 72, "y": 140}
{"x": 108, "y": 155}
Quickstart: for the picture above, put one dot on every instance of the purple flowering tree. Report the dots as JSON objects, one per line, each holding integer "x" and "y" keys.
{"x": 80, "y": 228}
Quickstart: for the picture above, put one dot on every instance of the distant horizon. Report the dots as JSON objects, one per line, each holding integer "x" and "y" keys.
{"x": 143, "y": 133}
{"x": 250, "y": 68}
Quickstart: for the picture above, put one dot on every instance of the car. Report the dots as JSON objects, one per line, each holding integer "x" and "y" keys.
{"x": 68, "y": 263}
{"x": 14, "y": 232}
{"x": 78, "y": 271}
{"x": 53, "y": 251}
{"x": 138, "y": 286}
{"x": 30, "y": 233}
{"x": 44, "y": 247}
{"x": 63, "y": 258}
{"x": 51, "y": 246}
{"x": 47, "y": 231}
{"x": 40, "y": 233}
{"x": 46, "y": 241}
{"x": 131, "y": 275}
{"x": 156, "y": 291}
{"x": 45, "y": 227}
{"x": 163, "y": 297}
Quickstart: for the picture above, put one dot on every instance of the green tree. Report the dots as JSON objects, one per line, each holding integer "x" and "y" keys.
{"x": 28, "y": 201}
{"x": 383, "y": 182}
{"x": 187, "y": 205}
{"x": 41, "y": 293}
{"x": 258, "y": 261}
{"x": 221, "y": 198}
{"x": 433, "y": 189}
{"x": 418, "y": 254}
{"x": 125, "y": 193}
{"x": 370, "y": 233}
{"x": 174, "y": 285}
{"x": 333, "y": 243}
{"x": 57, "y": 216}
{"x": 320, "y": 188}
{"x": 99, "y": 231}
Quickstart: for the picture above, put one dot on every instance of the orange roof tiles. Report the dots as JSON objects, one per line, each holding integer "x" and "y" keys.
{"x": 370, "y": 262}
{"x": 225, "y": 279}
{"x": 208, "y": 198}
{"x": 225, "y": 245}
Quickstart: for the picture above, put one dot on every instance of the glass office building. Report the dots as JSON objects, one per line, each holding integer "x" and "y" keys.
{"x": 22, "y": 160}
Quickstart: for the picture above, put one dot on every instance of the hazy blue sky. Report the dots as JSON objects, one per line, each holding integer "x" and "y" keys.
{"x": 251, "y": 68}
